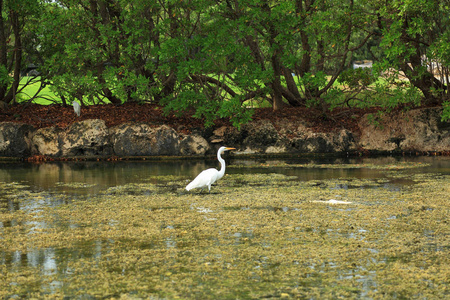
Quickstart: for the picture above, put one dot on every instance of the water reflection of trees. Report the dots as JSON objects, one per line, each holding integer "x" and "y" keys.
{"x": 96, "y": 175}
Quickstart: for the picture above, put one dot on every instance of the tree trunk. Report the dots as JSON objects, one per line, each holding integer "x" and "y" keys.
{"x": 168, "y": 85}
{"x": 106, "y": 91}
{"x": 423, "y": 79}
{"x": 276, "y": 83}
{"x": 305, "y": 64}
{"x": 292, "y": 94}
{"x": 3, "y": 53}
{"x": 10, "y": 97}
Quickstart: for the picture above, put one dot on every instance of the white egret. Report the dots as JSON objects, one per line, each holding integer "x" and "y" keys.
{"x": 76, "y": 108}
{"x": 207, "y": 177}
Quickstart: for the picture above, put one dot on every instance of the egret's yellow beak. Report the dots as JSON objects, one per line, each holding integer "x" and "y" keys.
{"x": 228, "y": 148}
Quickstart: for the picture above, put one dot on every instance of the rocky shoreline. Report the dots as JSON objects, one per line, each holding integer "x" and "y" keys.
{"x": 415, "y": 131}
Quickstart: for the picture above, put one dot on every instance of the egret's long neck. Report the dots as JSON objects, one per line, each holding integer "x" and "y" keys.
{"x": 222, "y": 165}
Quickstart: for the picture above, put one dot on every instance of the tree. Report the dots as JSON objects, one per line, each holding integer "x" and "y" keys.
{"x": 211, "y": 56}
{"x": 218, "y": 59}
{"x": 415, "y": 39}
{"x": 288, "y": 53}
{"x": 13, "y": 19}
{"x": 110, "y": 54}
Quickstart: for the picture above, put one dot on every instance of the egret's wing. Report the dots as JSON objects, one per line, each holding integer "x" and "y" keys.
{"x": 205, "y": 178}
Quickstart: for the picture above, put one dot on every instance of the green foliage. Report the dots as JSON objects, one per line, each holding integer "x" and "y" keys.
{"x": 446, "y": 112}
{"x": 189, "y": 98}
{"x": 235, "y": 111}
{"x": 373, "y": 119}
{"x": 5, "y": 79}
{"x": 355, "y": 78}
{"x": 414, "y": 39}
{"x": 210, "y": 58}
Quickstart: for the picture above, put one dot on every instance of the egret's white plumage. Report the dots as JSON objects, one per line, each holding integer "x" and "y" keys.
{"x": 76, "y": 108}
{"x": 209, "y": 176}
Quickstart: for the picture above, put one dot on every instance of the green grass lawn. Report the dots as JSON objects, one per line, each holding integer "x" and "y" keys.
{"x": 368, "y": 98}
{"x": 45, "y": 97}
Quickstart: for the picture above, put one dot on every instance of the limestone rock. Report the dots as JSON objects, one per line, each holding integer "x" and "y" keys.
{"x": 226, "y": 135}
{"x": 425, "y": 131}
{"x": 414, "y": 130}
{"x": 254, "y": 137}
{"x": 166, "y": 141}
{"x": 46, "y": 141}
{"x": 323, "y": 142}
{"x": 313, "y": 143}
{"x": 344, "y": 141}
{"x": 260, "y": 134}
{"x": 131, "y": 139}
{"x": 194, "y": 145}
{"x": 418, "y": 129}
{"x": 375, "y": 136}
{"x": 142, "y": 140}
{"x": 86, "y": 138}
{"x": 276, "y": 149}
{"x": 15, "y": 139}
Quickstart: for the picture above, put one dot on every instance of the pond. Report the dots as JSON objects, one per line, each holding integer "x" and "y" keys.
{"x": 363, "y": 228}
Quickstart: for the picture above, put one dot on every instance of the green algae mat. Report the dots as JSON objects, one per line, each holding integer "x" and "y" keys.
{"x": 259, "y": 235}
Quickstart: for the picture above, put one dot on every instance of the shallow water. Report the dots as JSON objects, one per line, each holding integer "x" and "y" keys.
{"x": 292, "y": 228}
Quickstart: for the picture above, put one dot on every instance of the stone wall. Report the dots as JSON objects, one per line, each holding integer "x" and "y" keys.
{"x": 416, "y": 130}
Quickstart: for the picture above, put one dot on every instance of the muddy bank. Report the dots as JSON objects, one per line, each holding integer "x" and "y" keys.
{"x": 419, "y": 130}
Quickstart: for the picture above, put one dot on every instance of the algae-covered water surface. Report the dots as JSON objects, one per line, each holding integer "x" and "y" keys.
{"x": 365, "y": 229}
